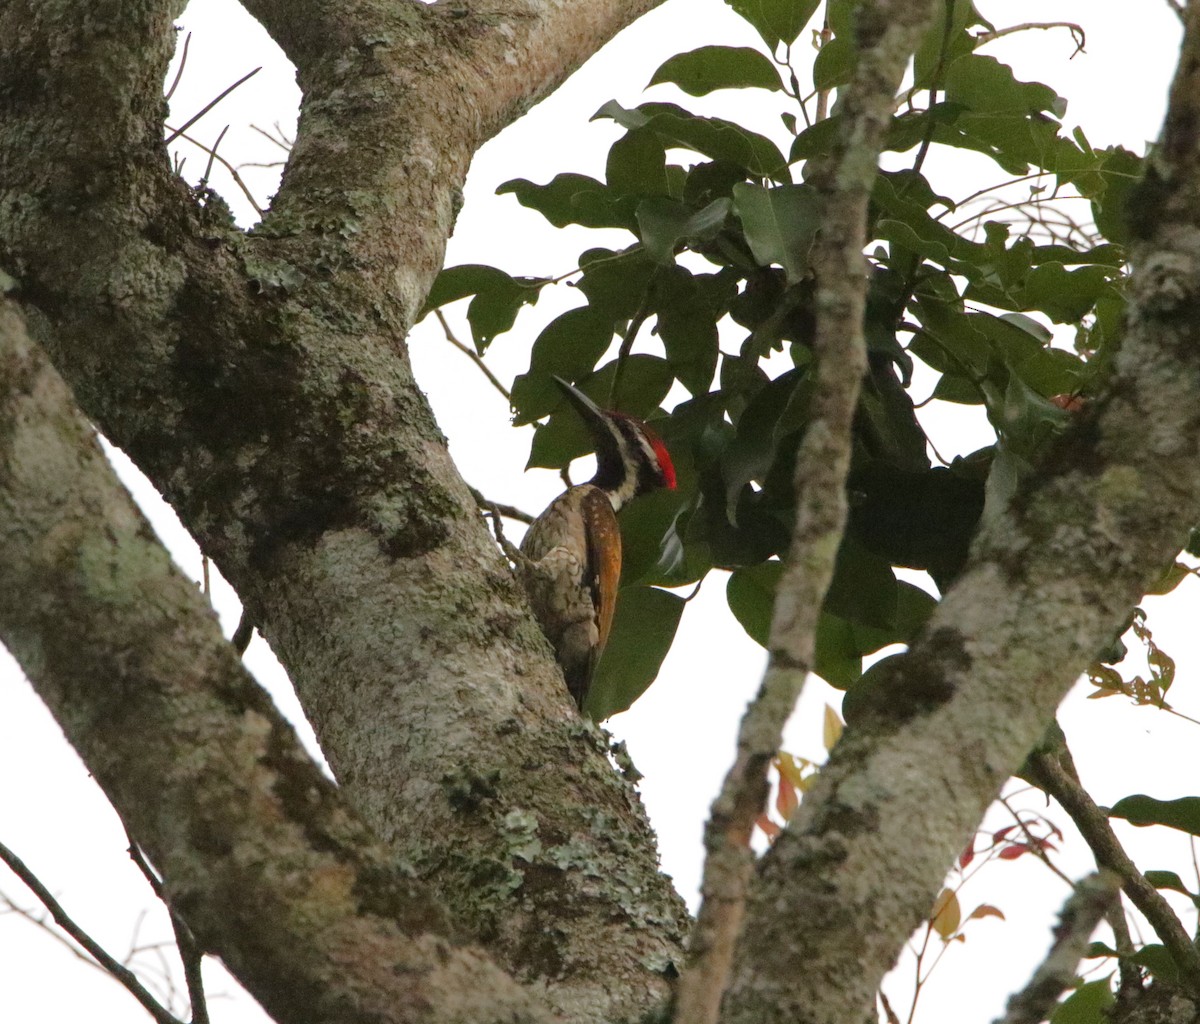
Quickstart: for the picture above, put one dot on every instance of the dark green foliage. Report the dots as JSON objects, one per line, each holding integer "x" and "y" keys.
{"x": 715, "y": 292}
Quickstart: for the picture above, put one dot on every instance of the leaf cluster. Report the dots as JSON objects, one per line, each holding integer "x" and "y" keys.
{"x": 711, "y": 303}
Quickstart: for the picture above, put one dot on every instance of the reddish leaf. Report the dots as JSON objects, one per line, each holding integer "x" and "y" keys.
{"x": 1014, "y": 850}
{"x": 786, "y": 800}
{"x": 770, "y": 829}
{"x": 967, "y": 855}
{"x": 998, "y": 836}
{"x": 985, "y": 910}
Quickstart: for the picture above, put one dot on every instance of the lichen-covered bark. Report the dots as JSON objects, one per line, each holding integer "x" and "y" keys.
{"x": 1050, "y": 581}
{"x": 888, "y": 33}
{"x": 261, "y": 381}
{"x": 260, "y": 852}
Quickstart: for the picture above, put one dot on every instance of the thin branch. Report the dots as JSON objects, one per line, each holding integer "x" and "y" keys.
{"x": 1082, "y": 912}
{"x": 508, "y": 511}
{"x": 474, "y": 356}
{"x": 1060, "y": 781}
{"x": 212, "y": 155}
{"x": 1177, "y": 7}
{"x": 190, "y": 953}
{"x": 844, "y": 181}
{"x": 511, "y": 551}
{"x": 1077, "y": 33}
{"x": 230, "y": 168}
{"x": 121, "y": 973}
{"x": 177, "y": 132}
{"x": 187, "y": 41}
{"x": 45, "y": 926}
{"x": 627, "y": 339}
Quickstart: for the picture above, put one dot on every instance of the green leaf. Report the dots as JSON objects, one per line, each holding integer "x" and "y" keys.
{"x": 498, "y": 298}
{"x": 616, "y": 282}
{"x": 777, "y": 21}
{"x": 699, "y": 72}
{"x": 986, "y": 86}
{"x": 1182, "y": 814}
{"x": 688, "y": 307}
{"x": 1167, "y": 880}
{"x": 645, "y": 381}
{"x": 1088, "y": 1004}
{"x": 817, "y": 140}
{"x": 572, "y": 199}
{"x": 779, "y": 223}
{"x": 1066, "y": 296}
{"x": 1156, "y": 958}
{"x": 1120, "y": 171}
{"x": 664, "y": 225}
{"x": 653, "y": 549}
{"x": 710, "y": 136}
{"x": 750, "y": 593}
{"x": 643, "y": 629}
{"x": 568, "y": 347}
{"x": 863, "y": 588}
{"x": 930, "y": 55}
{"x": 637, "y": 166}
{"x": 837, "y": 654}
{"x": 835, "y": 63}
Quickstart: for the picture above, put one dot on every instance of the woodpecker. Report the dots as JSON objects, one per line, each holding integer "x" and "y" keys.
{"x": 571, "y": 564}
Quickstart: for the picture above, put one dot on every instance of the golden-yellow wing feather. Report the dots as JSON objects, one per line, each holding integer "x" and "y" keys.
{"x": 604, "y": 559}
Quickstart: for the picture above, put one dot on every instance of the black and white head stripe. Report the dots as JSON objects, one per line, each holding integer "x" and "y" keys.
{"x": 630, "y": 460}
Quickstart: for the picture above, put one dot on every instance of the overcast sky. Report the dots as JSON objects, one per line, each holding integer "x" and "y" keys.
{"x": 681, "y": 733}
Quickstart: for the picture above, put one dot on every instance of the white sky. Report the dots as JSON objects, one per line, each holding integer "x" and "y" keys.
{"x": 681, "y": 733}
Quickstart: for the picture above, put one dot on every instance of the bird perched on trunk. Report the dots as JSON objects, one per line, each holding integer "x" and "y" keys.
{"x": 571, "y": 555}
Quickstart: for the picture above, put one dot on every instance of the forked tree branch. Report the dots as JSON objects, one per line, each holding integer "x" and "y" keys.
{"x": 274, "y": 872}
{"x": 1054, "y": 773}
{"x": 1050, "y": 579}
{"x": 888, "y": 34}
{"x": 261, "y": 381}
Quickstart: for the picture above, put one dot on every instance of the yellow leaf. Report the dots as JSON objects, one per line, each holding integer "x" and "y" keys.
{"x": 946, "y": 914}
{"x": 833, "y": 727}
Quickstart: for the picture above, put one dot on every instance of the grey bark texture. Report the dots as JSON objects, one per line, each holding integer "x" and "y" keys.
{"x": 261, "y": 380}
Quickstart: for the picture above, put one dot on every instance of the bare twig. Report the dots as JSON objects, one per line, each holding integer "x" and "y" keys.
{"x": 121, "y": 973}
{"x": 822, "y": 463}
{"x": 627, "y": 339}
{"x": 511, "y": 551}
{"x": 474, "y": 356}
{"x": 1059, "y": 780}
{"x": 190, "y": 953}
{"x": 177, "y": 132}
{"x": 212, "y": 155}
{"x": 508, "y": 511}
{"x": 187, "y": 41}
{"x": 1077, "y": 33}
{"x": 1082, "y": 912}
{"x": 229, "y": 167}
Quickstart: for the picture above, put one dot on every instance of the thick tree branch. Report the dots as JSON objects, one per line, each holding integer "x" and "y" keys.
{"x": 1084, "y": 910}
{"x": 258, "y": 850}
{"x": 1050, "y": 580}
{"x": 262, "y": 383}
{"x": 1054, "y": 773}
{"x": 888, "y": 34}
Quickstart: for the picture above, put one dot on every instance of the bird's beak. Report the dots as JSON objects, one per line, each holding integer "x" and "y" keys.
{"x": 593, "y": 416}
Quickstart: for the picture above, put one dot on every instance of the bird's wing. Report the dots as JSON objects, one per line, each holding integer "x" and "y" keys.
{"x": 604, "y": 559}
